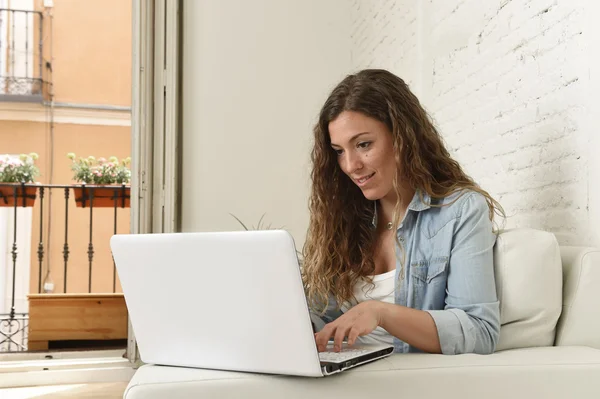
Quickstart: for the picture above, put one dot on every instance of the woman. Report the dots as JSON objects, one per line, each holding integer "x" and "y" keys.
{"x": 400, "y": 243}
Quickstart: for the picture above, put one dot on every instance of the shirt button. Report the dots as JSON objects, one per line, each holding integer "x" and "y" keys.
{"x": 401, "y": 239}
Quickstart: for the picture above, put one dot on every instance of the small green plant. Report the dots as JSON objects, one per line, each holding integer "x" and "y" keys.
{"x": 22, "y": 170}
{"x": 101, "y": 171}
{"x": 260, "y": 226}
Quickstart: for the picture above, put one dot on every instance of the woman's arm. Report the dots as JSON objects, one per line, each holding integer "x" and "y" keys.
{"x": 415, "y": 327}
{"x": 470, "y": 320}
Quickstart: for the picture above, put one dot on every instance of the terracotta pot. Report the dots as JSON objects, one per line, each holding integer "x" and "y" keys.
{"x": 103, "y": 196}
{"x": 25, "y": 195}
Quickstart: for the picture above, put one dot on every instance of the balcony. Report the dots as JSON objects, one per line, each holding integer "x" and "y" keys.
{"x": 22, "y": 63}
{"x": 61, "y": 288}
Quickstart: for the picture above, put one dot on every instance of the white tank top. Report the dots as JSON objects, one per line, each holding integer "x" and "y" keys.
{"x": 382, "y": 291}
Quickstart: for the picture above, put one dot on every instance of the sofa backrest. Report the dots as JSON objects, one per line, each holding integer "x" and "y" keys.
{"x": 528, "y": 274}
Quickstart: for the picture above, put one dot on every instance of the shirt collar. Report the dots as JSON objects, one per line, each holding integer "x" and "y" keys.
{"x": 420, "y": 205}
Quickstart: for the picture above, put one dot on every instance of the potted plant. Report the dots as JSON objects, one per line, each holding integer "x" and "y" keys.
{"x": 105, "y": 183}
{"x": 15, "y": 173}
{"x": 262, "y": 226}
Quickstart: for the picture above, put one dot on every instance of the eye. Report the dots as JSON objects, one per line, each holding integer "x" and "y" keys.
{"x": 364, "y": 144}
{"x": 338, "y": 152}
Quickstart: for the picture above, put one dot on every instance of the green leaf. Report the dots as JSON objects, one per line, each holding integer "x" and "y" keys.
{"x": 240, "y": 222}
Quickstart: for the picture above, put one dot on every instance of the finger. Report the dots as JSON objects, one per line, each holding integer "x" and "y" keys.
{"x": 353, "y": 335}
{"x": 323, "y": 336}
{"x": 316, "y": 336}
{"x": 318, "y": 340}
{"x": 340, "y": 333}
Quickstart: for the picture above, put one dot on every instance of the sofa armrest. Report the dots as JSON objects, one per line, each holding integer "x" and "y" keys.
{"x": 579, "y": 323}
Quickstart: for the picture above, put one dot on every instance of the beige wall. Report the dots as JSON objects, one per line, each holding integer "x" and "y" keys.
{"x": 99, "y": 141}
{"x": 256, "y": 74}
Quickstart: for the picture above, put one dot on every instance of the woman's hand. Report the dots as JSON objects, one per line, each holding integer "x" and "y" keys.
{"x": 360, "y": 320}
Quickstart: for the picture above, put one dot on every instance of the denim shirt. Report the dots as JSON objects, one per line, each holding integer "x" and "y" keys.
{"x": 448, "y": 272}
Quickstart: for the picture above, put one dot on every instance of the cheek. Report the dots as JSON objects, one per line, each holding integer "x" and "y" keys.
{"x": 387, "y": 164}
{"x": 392, "y": 167}
{"x": 378, "y": 160}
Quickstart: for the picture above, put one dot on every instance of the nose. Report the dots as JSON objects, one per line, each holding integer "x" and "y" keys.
{"x": 351, "y": 163}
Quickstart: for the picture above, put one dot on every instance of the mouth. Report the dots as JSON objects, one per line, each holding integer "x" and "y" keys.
{"x": 363, "y": 180}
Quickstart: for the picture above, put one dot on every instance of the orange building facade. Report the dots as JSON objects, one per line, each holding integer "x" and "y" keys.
{"x": 65, "y": 87}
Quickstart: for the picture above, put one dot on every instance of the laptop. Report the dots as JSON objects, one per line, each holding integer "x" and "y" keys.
{"x": 226, "y": 301}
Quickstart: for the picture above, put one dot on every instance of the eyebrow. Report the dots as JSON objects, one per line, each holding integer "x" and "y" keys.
{"x": 352, "y": 138}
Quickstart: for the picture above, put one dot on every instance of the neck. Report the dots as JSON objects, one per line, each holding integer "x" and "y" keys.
{"x": 388, "y": 203}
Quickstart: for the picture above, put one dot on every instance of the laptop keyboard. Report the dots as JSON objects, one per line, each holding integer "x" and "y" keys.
{"x": 343, "y": 355}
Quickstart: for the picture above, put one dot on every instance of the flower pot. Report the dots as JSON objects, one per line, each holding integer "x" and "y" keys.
{"x": 102, "y": 196}
{"x": 25, "y": 195}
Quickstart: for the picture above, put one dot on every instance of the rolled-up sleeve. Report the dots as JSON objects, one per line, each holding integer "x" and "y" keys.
{"x": 470, "y": 321}
{"x": 331, "y": 313}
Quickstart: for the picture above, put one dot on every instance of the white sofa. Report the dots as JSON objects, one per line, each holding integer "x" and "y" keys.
{"x": 549, "y": 344}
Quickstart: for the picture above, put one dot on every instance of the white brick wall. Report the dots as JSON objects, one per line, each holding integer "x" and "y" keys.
{"x": 380, "y": 33}
{"x": 507, "y": 82}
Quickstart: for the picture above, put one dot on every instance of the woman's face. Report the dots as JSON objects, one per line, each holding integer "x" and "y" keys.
{"x": 365, "y": 153}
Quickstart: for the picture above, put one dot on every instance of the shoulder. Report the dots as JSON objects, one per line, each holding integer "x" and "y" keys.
{"x": 454, "y": 210}
{"x": 461, "y": 202}
{"x": 465, "y": 201}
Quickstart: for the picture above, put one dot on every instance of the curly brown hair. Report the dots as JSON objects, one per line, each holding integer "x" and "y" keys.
{"x": 340, "y": 240}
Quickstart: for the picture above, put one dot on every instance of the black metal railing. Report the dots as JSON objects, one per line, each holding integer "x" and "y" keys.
{"x": 21, "y": 55}
{"x": 13, "y": 332}
{"x": 13, "y": 325}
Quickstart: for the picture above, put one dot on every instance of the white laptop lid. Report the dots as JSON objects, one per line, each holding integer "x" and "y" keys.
{"x": 220, "y": 300}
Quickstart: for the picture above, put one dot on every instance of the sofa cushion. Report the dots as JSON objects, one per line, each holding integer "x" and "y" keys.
{"x": 553, "y": 372}
{"x": 528, "y": 273}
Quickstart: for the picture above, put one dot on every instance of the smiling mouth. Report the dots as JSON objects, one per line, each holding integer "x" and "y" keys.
{"x": 365, "y": 179}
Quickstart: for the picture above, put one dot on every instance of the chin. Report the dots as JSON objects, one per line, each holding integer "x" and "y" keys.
{"x": 372, "y": 195}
